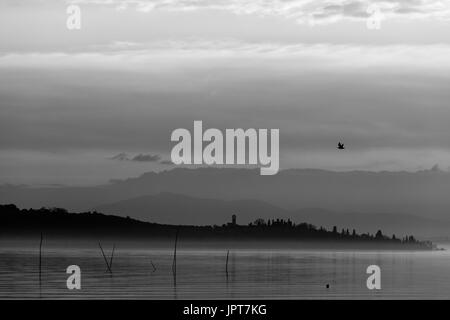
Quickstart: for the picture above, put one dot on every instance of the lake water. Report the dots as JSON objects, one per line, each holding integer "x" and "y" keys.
{"x": 252, "y": 274}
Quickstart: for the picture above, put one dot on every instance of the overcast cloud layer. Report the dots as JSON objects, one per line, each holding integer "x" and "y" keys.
{"x": 71, "y": 100}
{"x": 310, "y": 11}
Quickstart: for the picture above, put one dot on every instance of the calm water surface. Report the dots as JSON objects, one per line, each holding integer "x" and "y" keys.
{"x": 255, "y": 273}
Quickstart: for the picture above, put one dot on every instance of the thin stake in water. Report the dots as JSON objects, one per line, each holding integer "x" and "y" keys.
{"x": 226, "y": 265}
{"x": 40, "y": 260}
{"x": 174, "y": 263}
{"x": 112, "y": 256}
{"x": 104, "y": 257}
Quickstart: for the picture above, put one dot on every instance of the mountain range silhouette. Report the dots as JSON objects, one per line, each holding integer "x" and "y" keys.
{"x": 396, "y": 201}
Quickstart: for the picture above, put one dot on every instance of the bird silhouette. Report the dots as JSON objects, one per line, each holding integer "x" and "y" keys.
{"x": 340, "y": 146}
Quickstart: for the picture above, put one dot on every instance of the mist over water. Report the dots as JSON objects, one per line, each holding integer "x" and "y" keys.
{"x": 201, "y": 272}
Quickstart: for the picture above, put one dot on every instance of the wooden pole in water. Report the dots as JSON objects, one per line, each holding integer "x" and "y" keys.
{"x": 40, "y": 260}
{"x": 104, "y": 257}
{"x": 174, "y": 263}
{"x": 226, "y": 265}
{"x": 112, "y": 256}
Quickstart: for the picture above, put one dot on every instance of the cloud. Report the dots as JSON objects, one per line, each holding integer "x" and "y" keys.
{"x": 146, "y": 158}
{"x": 302, "y": 11}
{"x": 335, "y": 11}
{"x": 371, "y": 96}
{"x": 170, "y": 56}
{"x": 120, "y": 157}
{"x": 166, "y": 162}
{"x": 138, "y": 158}
{"x": 387, "y": 102}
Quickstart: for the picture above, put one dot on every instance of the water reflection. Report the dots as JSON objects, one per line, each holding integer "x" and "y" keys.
{"x": 146, "y": 273}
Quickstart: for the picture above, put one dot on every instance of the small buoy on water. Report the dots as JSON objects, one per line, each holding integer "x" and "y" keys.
{"x": 328, "y": 286}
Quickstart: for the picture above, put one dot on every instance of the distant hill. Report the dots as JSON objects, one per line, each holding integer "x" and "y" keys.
{"x": 180, "y": 209}
{"x": 370, "y": 197}
{"x": 422, "y": 193}
{"x": 170, "y": 208}
{"x": 58, "y": 223}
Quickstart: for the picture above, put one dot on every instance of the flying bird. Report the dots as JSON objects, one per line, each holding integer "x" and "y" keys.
{"x": 340, "y": 146}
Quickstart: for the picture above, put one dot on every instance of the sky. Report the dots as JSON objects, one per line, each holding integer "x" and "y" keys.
{"x": 84, "y": 106}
